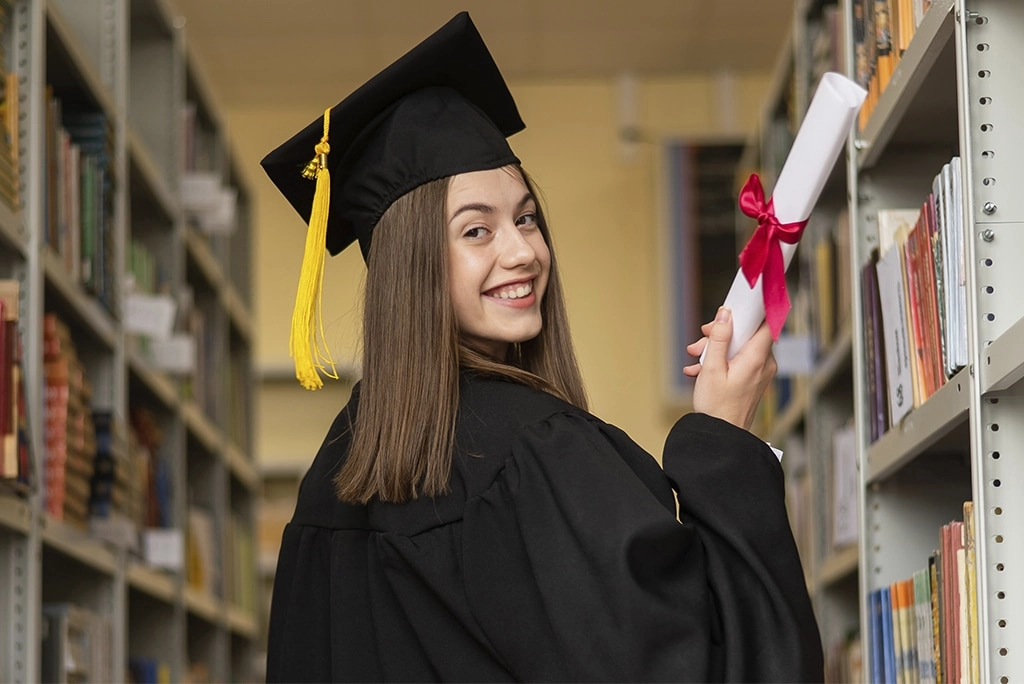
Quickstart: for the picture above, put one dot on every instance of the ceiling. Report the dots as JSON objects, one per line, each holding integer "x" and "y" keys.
{"x": 258, "y": 52}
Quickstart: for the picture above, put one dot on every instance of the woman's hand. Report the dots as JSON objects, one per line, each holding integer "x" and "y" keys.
{"x": 731, "y": 390}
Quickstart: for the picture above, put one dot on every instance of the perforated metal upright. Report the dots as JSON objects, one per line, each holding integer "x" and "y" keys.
{"x": 29, "y": 35}
{"x": 990, "y": 55}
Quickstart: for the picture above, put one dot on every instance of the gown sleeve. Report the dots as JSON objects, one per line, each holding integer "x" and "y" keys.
{"x": 577, "y": 570}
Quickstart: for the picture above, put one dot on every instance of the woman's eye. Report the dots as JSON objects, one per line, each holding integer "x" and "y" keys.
{"x": 526, "y": 220}
{"x": 475, "y": 232}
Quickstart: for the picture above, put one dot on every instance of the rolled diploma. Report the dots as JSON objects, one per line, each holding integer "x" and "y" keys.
{"x": 815, "y": 150}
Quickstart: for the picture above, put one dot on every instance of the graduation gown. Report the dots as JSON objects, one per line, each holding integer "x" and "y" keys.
{"x": 557, "y": 556}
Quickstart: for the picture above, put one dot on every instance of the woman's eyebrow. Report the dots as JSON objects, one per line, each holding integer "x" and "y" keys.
{"x": 487, "y": 208}
{"x": 482, "y": 208}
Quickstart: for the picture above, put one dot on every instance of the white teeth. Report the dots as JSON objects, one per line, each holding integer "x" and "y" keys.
{"x": 515, "y": 293}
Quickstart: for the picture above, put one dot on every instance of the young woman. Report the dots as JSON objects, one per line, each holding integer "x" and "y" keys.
{"x": 466, "y": 518}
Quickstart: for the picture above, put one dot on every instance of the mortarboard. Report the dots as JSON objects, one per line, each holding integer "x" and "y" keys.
{"x": 440, "y": 110}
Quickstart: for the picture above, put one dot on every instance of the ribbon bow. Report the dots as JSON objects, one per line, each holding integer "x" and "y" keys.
{"x": 763, "y": 256}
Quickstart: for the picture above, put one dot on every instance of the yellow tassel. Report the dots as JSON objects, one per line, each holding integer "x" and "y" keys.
{"x": 307, "y": 344}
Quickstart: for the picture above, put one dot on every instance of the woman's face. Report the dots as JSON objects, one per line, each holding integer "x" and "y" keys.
{"x": 498, "y": 258}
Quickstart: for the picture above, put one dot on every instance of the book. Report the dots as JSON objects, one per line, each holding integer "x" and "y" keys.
{"x": 923, "y": 618}
{"x": 971, "y": 590}
{"x": 878, "y": 420}
{"x": 895, "y": 333}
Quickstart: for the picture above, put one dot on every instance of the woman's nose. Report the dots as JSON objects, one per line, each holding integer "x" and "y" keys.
{"x": 516, "y": 250}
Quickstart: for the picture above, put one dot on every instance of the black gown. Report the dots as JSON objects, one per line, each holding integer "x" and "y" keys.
{"x": 557, "y": 556}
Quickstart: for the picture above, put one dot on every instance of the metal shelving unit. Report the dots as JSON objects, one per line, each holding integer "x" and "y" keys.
{"x": 128, "y": 59}
{"x": 960, "y": 74}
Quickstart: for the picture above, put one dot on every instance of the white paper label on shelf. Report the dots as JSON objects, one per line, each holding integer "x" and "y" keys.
{"x": 164, "y": 548}
{"x": 151, "y": 315}
{"x": 220, "y": 217}
{"x": 794, "y": 354}
{"x": 176, "y": 354}
{"x": 200, "y": 190}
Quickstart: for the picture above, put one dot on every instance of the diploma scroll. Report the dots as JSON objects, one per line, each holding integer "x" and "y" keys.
{"x": 815, "y": 150}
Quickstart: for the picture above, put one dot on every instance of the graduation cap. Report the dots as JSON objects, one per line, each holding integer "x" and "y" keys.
{"x": 440, "y": 110}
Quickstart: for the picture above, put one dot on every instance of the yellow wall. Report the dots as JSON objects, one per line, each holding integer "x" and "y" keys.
{"x": 603, "y": 208}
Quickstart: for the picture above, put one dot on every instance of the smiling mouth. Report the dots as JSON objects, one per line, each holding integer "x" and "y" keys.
{"x": 517, "y": 291}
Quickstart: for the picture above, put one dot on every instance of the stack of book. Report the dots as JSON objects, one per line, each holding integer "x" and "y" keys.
{"x": 10, "y": 186}
{"x": 924, "y": 628}
{"x": 882, "y": 31}
{"x": 117, "y": 504}
{"x": 915, "y": 302}
{"x": 145, "y": 440}
{"x": 70, "y": 435}
{"x": 79, "y": 205}
{"x": 15, "y": 467}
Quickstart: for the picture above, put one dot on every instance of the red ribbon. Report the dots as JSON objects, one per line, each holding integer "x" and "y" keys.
{"x": 763, "y": 256}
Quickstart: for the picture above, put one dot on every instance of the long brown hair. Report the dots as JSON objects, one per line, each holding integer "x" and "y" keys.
{"x": 404, "y": 434}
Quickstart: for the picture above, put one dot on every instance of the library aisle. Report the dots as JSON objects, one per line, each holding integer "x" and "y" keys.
{"x": 128, "y": 488}
{"x": 138, "y": 529}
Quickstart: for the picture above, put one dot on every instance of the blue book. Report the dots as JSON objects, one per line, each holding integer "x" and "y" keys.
{"x": 888, "y": 648}
{"x": 875, "y": 636}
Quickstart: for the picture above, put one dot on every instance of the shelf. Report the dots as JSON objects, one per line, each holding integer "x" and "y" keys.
{"x": 791, "y": 416}
{"x": 85, "y": 308}
{"x": 283, "y": 470}
{"x": 921, "y": 428}
{"x": 238, "y": 312}
{"x": 241, "y": 467}
{"x": 12, "y": 230}
{"x": 14, "y": 514}
{"x": 242, "y": 622}
{"x": 911, "y": 84}
{"x": 838, "y": 566}
{"x": 84, "y": 72}
{"x": 158, "y": 383}
{"x": 1003, "y": 363}
{"x": 152, "y": 582}
{"x": 347, "y": 371}
{"x": 75, "y": 544}
{"x": 204, "y": 605}
{"x": 202, "y": 427}
{"x": 146, "y": 171}
{"x": 199, "y": 251}
{"x": 838, "y": 358}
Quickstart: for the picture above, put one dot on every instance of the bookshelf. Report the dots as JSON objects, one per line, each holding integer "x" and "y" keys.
{"x": 134, "y": 314}
{"x": 938, "y": 137}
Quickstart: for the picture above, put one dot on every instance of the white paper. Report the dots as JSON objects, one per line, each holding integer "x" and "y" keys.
{"x": 844, "y": 487}
{"x": 815, "y": 150}
{"x": 164, "y": 548}
{"x": 200, "y": 190}
{"x": 220, "y": 217}
{"x": 176, "y": 354}
{"x": 794, "y": 355}
{"x": 151, "y": 315}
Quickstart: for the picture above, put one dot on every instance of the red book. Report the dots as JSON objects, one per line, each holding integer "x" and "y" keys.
{"x": 909, "y": 285}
